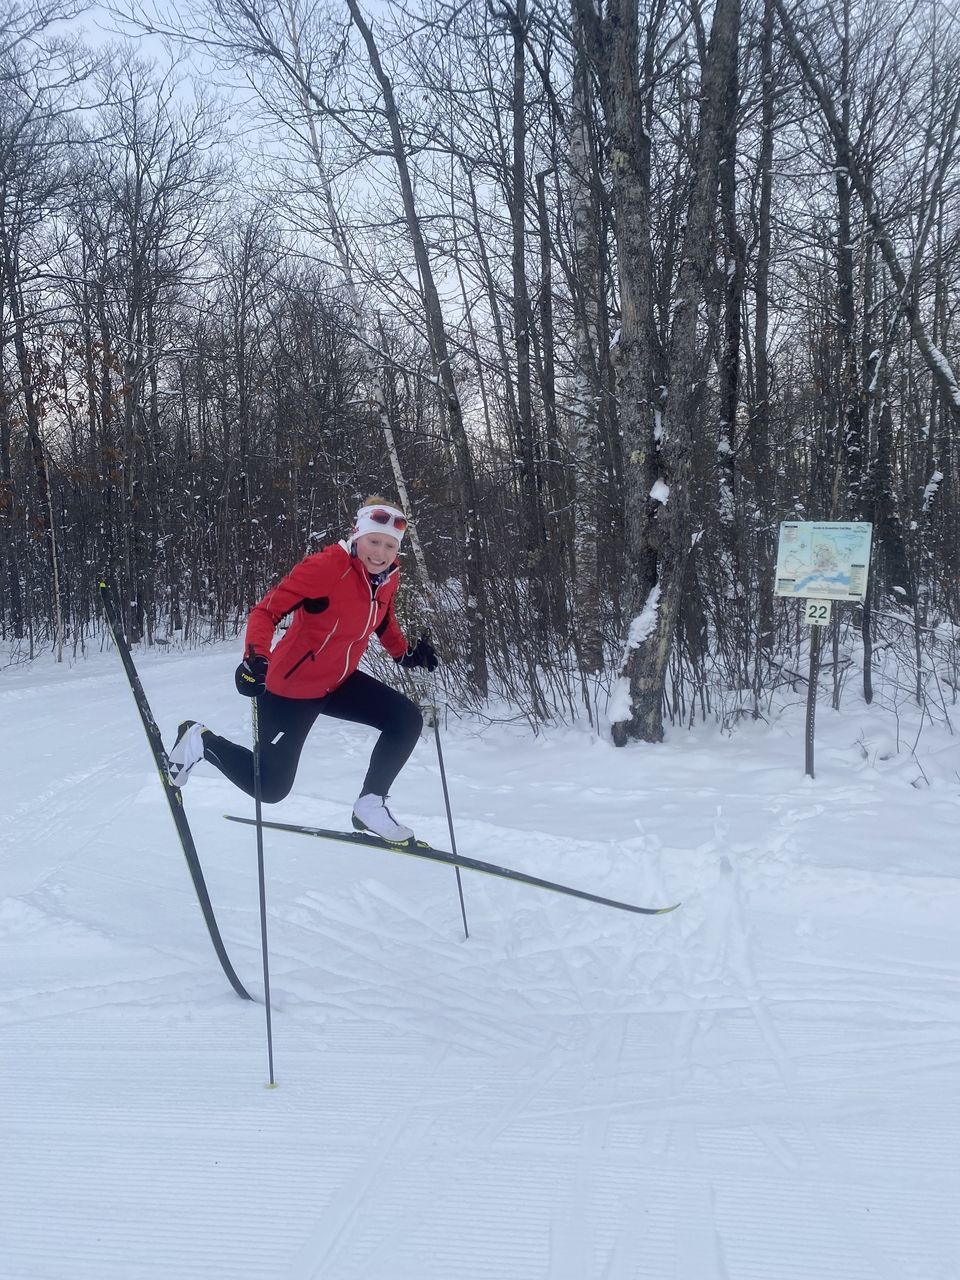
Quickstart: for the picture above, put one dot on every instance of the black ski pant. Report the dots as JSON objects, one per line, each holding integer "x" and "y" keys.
{"x": 285, "y": 722}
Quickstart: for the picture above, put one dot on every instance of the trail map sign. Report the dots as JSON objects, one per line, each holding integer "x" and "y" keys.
{"x": 819, "y": 563}
{"x": 825, "y": 561}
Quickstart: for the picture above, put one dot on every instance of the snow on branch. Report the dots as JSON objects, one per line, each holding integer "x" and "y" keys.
{"x": 643, "y": 624}
{"x": 946, "y": 369}
{"x": 930, "y": 491}
{"x": 620, "y": 706}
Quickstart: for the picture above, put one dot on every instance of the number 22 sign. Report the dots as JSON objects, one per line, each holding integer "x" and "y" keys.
{"x": 817, "y": 612}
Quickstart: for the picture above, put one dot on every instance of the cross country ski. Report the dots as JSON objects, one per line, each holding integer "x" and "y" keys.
{"x": 420, "y": 849}
{"x": 174, "y": 797}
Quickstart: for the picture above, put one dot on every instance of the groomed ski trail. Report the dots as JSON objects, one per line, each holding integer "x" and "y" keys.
{"x": 759, "y": 1087}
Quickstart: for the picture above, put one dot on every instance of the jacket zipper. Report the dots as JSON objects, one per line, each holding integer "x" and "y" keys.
{"x": 364, "y": 635}
{"x": 312, "y": 653}
{"x": 299, "y": 663}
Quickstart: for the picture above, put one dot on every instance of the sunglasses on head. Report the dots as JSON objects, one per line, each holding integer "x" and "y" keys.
{"x": 388, "y": 517}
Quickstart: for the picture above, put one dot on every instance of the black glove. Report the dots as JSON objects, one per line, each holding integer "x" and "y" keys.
{"x": 422, "y": 654}
{"x": 251, "y": 675}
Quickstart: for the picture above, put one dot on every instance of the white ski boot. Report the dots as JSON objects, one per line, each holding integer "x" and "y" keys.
{"x": 186, "y": 752}
{"x": 370, "y": 813}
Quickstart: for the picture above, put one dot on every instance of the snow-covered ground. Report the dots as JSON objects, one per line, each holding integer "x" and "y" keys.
{"x": 760, "y": 1086}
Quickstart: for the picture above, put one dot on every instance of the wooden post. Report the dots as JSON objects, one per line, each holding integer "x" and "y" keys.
{"x": 812, "y": 698}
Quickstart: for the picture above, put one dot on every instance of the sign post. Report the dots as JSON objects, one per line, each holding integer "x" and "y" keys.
{"x": 819, "y": 562}
{"x": 813, "y": 679}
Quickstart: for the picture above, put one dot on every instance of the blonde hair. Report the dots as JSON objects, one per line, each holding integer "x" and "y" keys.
{"x": 378, "y": 497}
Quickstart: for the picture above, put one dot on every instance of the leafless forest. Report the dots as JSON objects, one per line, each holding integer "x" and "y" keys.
{"x": 602, "y": 293}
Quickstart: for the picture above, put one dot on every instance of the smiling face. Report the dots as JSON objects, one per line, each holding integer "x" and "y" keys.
{"x": 376, "y": 551}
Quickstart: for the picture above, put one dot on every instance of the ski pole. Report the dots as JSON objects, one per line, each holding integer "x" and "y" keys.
{"x": 435, "y": 713}
{"x": 258, "y": 809}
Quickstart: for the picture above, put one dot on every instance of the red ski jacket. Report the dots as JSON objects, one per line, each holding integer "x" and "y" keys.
{"x": 337, "y": 610}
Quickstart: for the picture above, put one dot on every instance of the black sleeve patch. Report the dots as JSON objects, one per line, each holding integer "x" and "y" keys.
{"x": 383, "y": 625}
{"x": 317, "y": 605}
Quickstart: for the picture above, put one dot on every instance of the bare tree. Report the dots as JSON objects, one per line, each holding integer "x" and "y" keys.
{"x": 851, "y": 161}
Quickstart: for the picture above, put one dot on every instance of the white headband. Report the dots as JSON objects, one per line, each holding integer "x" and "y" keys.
{"x": 379, "y": 517}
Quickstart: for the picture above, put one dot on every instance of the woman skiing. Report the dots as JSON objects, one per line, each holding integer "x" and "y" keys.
{"x": 339, "y": 597}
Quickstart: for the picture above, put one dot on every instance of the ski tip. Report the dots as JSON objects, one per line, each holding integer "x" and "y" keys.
{"x": 665, "y": 911}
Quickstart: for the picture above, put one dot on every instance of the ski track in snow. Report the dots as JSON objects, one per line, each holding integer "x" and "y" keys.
{"x": 760, "y": 1086}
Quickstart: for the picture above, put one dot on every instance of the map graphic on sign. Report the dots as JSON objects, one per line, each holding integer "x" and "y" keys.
{"x": 827, "y": 561}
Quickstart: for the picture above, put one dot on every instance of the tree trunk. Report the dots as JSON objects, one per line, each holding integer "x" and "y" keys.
{"x": 585, "y": 397}
{"x": 612, "y": 48}
{"x": 374, "y": 372}
{"x": 648, "y": 650}
{"x": 474, "y": 590}
{"x": 529, "y": 462}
